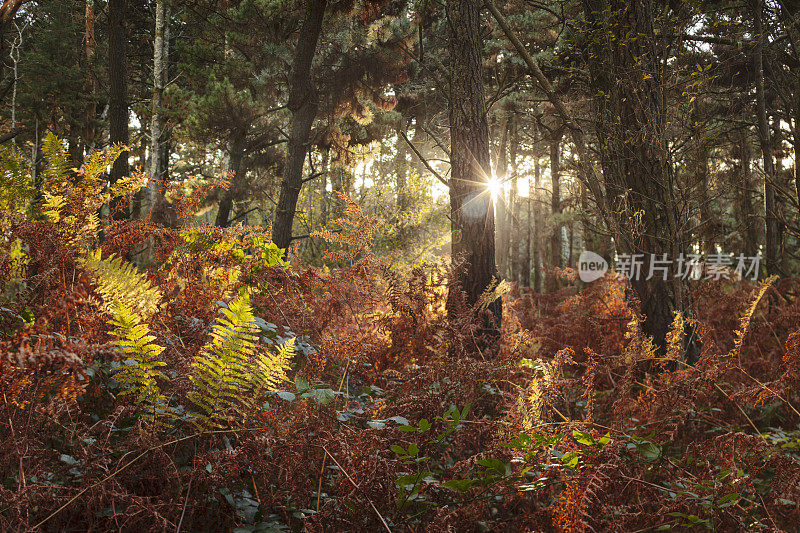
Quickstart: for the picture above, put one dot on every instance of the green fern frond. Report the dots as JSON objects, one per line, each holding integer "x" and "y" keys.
{"x": 98, "y": 161}
{"x": 119, "y": 280}
{"x": 270, "y": 368}
{"x": 128, "y": 185}
{"x": 56, "y": 159}
{"x": 140, "y": 372}
{"x": 52, "y": 206}
{"x": 221, "y": 371}
{"x": 16, "y": 191}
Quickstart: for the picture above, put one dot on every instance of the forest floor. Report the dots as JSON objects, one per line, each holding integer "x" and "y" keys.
{"x": 381, "y": 412}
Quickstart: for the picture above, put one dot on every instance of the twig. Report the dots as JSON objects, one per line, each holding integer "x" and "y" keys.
{"x": 424, "y": 161}
{"x": 358, "y": 488}
{"x": 321, "y": 474}
{"x": 129, "y": 463}
{"x": 185, "y": 502}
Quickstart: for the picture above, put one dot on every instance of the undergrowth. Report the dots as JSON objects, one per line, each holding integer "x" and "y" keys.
{"x": 221, "y": 387}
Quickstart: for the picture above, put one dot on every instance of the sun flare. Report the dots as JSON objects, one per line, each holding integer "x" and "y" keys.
{"x": 495, "y": 187}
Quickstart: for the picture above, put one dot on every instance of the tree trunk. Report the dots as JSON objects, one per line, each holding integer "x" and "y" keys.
{"x": 401, "y": 167}
{"x": 156, "y": 146}
{"x": 118, "y": 92}
{"x": 627, "y": 75}
{"x": 234, "y": 170}
{"x": 515, "y": 252}
{"x": 744, "y": 198}
{"x": 471, "y": 205}
{"x": 303, "y": 102}
{"x": 503, "y": 206}
{"x": 323, "y": 188}
{"x": 777, "y": 151}
{"x": 537, "y": 224}
{"x": 765, "y": 141}
{"x": 90, "y": 86}
{"x": 522, "y": 243}
{"x": 700, "y": 157}
{"x": 555, "y": 209}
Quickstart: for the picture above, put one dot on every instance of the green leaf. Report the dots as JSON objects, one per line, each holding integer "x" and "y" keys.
{"x": 324, "y": 396}
{"x": 583, "y": 438}
{"x": 301, "y": 383}
{"x": 649, "y": 451}
{"x": 605, "y": 439}
{"x": 461, "y": 485}
{"x": 570, "y": 459}
{"x": 399, "y": 450}
{"x": 413, "y": 450}
{"x": 496, "y": 465}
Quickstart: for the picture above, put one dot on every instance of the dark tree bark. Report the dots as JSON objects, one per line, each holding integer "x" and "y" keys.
{"x": 303, "y": 103}
{"x": 234, "y": 169}
{"x": 780, "y": 231}
{"x": 765, "y": 141}
{"x": 118, "y": 92}
{"x": 700, "y": 154}
{"x": 790, "y": 14}
{"x": 471, "y": 206}
{"x": 628, "y": 76}
{"x": 743, "y": 184}
{"x": 90, "y": 86}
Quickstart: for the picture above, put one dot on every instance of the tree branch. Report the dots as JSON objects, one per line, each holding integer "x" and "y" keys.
{"x": 424, "y": 161}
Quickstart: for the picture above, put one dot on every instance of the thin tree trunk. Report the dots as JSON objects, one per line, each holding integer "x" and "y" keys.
{"x": 777, "y": 151}
{"x": 401, "y": 167}
{"x": 537, "y": 224}
{"x": 323, "y": 188}
{"x": 700, "y": 156}
{"x": 503, "y": 206}
{"x": 16, "y": 44}
{"x": 765, "y": 141}
{"x": 303, "y": 102}
{"x": 744, "y": 198}
{"x": 471, "y": 205}
{"x": 156, "y": 171}
{"x": 234, "y": 169}
{"x": 89, "y": 85}
{"x": 118, "y": 93}
{"x": 166, "y": 133}
{"x": 515, "y": 252}
{"x": 556, "y": 245}
{"x": 522, "y": 243}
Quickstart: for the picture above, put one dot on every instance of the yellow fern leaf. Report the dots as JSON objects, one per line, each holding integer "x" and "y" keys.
{"x": 119, "y": 280}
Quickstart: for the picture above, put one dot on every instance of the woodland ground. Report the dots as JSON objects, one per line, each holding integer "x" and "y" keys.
{"x": 266, "y": 396}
